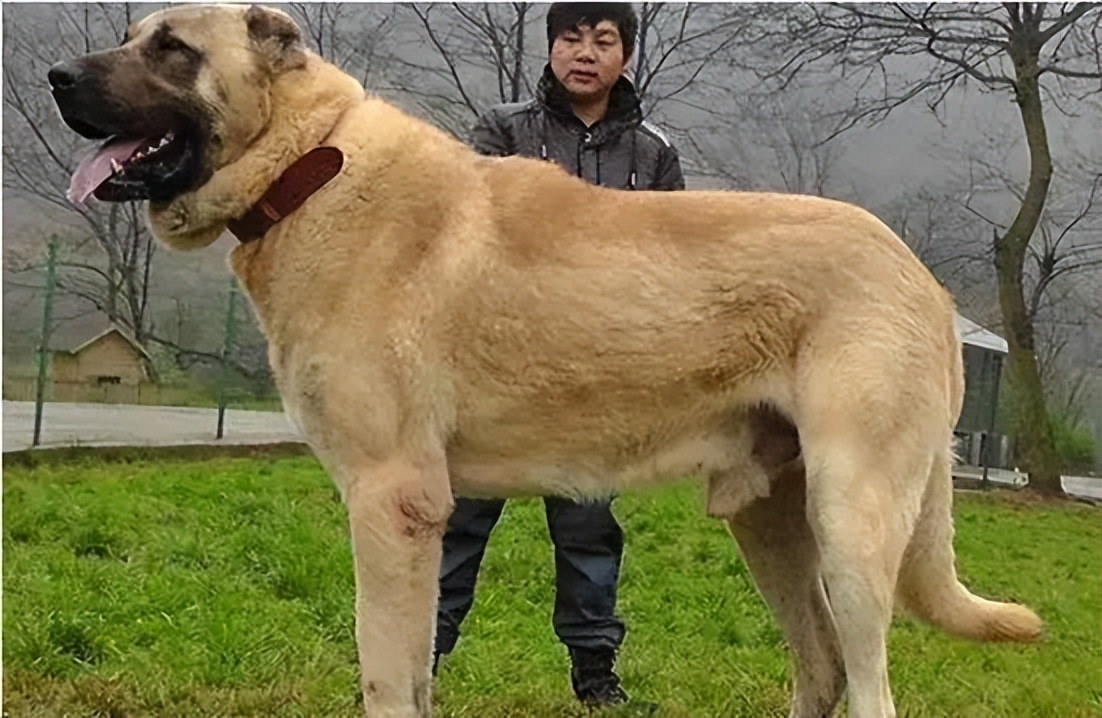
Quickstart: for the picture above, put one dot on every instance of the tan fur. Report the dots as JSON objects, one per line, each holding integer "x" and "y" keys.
{"x": 441, "y": 322}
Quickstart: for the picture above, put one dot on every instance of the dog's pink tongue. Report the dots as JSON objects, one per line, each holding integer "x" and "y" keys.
{"x": 96, "y": 167}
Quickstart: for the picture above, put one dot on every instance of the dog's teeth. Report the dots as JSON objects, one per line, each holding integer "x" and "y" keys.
{"x": 115, "y": 166}
{"x": 164, "y": 141}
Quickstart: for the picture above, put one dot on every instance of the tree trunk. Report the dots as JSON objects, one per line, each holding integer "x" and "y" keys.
{"x": 518, "y": 57}
{"x": 1030, "y": 428}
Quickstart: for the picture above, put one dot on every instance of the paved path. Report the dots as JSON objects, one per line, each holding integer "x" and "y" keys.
{"x": 66, "y": 424}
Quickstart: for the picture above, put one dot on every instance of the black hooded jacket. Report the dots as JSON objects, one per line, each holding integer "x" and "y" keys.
{"x": 620, "y": 150}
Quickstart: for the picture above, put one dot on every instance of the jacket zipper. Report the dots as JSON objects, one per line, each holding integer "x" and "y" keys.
{"x": 585, "y": 141}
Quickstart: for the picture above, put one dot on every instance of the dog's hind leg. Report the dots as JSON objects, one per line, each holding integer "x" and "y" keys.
{"x": 397, "y": 512}
{"x": 780, "y": 550}
{"x": 862, "y": 503}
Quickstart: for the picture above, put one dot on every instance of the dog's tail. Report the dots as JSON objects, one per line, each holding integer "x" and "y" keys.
{"x": 928, "y": 586}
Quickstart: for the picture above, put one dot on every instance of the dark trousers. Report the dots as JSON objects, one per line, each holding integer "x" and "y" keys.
{"x": 588, "y": 546}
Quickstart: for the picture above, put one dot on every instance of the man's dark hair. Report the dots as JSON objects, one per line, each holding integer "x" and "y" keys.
{"x": 565, "y": 16}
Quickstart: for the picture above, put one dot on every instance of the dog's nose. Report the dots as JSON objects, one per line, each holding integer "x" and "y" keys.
{"x": 63, "y": 75}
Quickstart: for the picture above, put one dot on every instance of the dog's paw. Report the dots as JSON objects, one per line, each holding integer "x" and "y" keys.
{"x": 173, "y": 224}
{"x": 168, "y": 218}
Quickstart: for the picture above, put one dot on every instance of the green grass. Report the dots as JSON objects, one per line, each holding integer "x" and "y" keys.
{"x": 223, "y": 587}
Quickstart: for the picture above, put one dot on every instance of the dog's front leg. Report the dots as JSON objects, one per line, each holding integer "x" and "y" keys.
{"x": 397, "y": 511}
{"x": 198, "y": 218}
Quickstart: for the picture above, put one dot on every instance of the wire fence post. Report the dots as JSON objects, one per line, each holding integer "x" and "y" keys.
{"x": 227, "y": 347}
{"x": 44, "y": 345}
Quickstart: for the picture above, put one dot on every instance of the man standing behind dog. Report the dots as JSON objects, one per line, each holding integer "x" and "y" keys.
{"x": 587, "y": 118}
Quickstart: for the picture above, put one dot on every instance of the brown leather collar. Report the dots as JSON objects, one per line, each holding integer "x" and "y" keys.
{"x": 305, "y": 176}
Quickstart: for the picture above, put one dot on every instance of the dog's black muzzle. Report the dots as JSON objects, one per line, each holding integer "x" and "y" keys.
{"x": 80, "y": 99}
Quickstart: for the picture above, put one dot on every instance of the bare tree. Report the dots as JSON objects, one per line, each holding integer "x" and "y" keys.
{"x": 1059, "y": 276}
{"x": 683, "y": 51}
{"x": 1041, "y": 54}
{"x": 776, "y": 143}
{"x": 1069, "y": 246}
{"x": 454, "y": 59}
{"x": 347, "y": 35}
{"x": 1062, "y": 296}
{"x": 1067, "y": 383}
{"x": 954, "y": 245}
{"x": 805, "y": 162}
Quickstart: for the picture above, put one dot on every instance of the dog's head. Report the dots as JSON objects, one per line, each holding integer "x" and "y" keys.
{"x": 184, "y": 95}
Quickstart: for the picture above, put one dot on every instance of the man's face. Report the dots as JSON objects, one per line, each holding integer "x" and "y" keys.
{"x": 588, "y": 60}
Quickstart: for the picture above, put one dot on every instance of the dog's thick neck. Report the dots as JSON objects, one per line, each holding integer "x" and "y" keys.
{"x": 307, "y": 103}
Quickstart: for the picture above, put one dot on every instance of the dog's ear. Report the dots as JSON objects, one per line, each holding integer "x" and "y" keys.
{"x": 277, "y": 36}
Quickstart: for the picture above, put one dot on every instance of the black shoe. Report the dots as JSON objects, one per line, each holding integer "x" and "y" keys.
{"x": 595, "y": 683}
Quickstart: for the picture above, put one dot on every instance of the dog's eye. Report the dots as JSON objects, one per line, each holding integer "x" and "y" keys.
{"x": 171, "y": 43}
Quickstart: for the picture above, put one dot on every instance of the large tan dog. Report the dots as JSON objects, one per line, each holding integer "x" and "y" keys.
{"x": 441, "y": 322}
